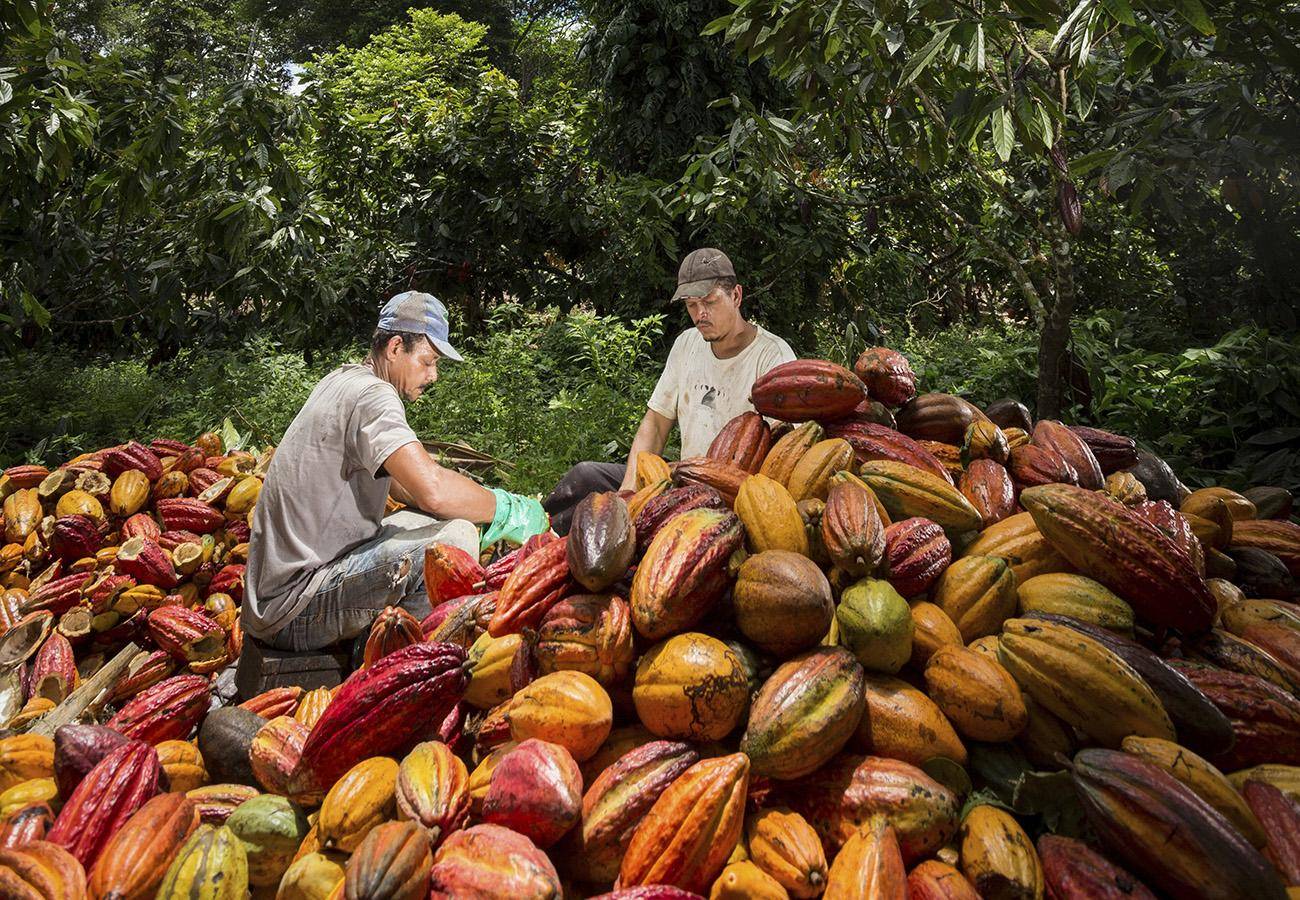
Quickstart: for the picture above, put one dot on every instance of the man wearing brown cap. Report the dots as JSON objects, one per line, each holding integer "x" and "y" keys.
{"x": 704, "y": 385}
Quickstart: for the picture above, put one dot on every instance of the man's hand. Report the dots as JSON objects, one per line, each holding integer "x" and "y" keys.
{"x": 517, "y": 519}
{"x": 651, "y": 436}
{"x": 438, "y": 491}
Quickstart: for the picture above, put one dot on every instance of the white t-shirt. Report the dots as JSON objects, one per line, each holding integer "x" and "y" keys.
{"x": 702, "y": 393}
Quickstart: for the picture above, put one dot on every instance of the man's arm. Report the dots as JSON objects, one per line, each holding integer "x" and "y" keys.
{"x": 651, "y": 436}
{"x": 438, "y": 491}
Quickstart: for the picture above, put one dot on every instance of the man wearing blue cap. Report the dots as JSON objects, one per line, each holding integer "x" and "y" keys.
{"x": 323, "y": 560}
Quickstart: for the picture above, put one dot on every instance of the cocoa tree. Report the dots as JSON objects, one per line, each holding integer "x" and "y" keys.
{"x": 1025, "y": 101}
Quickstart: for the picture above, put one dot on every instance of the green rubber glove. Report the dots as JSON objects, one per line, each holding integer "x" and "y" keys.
{"x": 517, "y": 519}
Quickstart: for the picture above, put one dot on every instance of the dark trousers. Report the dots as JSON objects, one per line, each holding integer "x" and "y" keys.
{"x": 583, "y": 479}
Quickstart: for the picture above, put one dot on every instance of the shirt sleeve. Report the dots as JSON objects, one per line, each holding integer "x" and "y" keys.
{"x": 667, "y": 390}
{"x": 377, "y": 428}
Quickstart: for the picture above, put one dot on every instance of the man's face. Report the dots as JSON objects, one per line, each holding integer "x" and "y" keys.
{"x": 715, "y": 314}
{"x": 412, "y": 372}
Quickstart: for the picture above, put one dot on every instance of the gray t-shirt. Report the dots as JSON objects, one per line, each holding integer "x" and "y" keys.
{"x": 324, "y": 494}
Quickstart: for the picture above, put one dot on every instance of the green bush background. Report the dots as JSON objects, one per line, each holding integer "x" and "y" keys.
{"x": 542, "y": 390}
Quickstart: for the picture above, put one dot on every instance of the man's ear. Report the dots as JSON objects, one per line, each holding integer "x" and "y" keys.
{"x": 739, "y": 296}
{"x": 390, "y": 351}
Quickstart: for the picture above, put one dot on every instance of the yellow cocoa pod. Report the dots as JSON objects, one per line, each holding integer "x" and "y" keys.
{"x": 998, "y": 857}
{"x": 24, "y": 757}
{"x": 310, "y": 877}
{"x": 363, "y": 798}
{"x": 1204, "y": 779}
{"x": 770, "y": 516}
{"x": 651, "y": 469}
{"x": 129, "y": 494}
{"x": 782, "y": 844}
{"x": 746, "y": 881}
{"x": 566, "y": 708}
{"x": 978, "y": 695}
{"x": 490, "y": 659}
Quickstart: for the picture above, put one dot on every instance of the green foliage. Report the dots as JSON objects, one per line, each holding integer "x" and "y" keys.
{"x": 1224, "y": 413}
{"x": 657, "y": 80}
{"x": 538, "y": 390}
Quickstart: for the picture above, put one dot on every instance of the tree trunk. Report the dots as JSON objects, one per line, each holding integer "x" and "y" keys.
{"x": 1054, "y": 335}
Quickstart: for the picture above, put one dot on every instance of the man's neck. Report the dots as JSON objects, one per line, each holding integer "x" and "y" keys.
{"x": 735, "y": 343}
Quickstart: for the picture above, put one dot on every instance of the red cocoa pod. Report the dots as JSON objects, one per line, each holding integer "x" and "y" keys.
{"x": 273, "y": 703}
{"x": 393, "y": 629}
{"x": 988, "y": 486}
{"x": 103, "y": 593}
{"x": 21, "y": 827}
{"x": 202, "y": 478}
{"x": 238, "y": 532}
{"x": 804, "y": 389}
{"x": 536, "y": 790}
{"x": 1074, "y": 871}
{"x": 131, "y": 455}
{"x": 601, "y": 541}
{"x": 54, "y": 669}
{"x": 1173, "y": 525}
{"x": 187, "y": 634}
{"x": 887, "y": 375}
{"x": 1032, "y": 465}
{"x": 21, "y": 478}
{"x": 229, "y": 579}
{"x": 494, "y": 576}
{"x": 1280, "y": 816}
{"x": 1053, "y": 435}
{"x": 450, "y": 572}
{"x": 78, "y": 748}
{"x": 165, "y": 447}
{"x": 685, "y": 571}
{"x": 443, "y": 611}
{"x": 147, "y": 563}
{"x": 168, "y": 711}
{"x": 1113, "y": 452}
{"x": 170, "y": 540}
{"x": 490, "y": 861}
{"x": 743, "y": 442}
{"x": 655, "y": 514}
{"x": 58, "y": 595}
{"x": 141, "y": 525}
{"x": 75, "y": 537}
{"x": 189, "y": 514}
{"x": 382, "y": 709}
{"x": 875, "y": 442}
{"x": 916, "y": 554}
{"x": 1173, "y": 838}
{"x": 722, "y": 477}
{"x": 616, "y": 803}
{"x": 536, "y": 584}
{"x": 144, "y": 671}
{"x": 118, "y": 785}
{"x": 1265, "y": 719}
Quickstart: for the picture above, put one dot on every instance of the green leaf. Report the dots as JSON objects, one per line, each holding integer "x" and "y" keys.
{"x": 1196, "y": 16}
{"x": 230, "y": 437}
{"x": 718, "y": 24}
{"x": 1068, "y": 24}
{"x": 1004, "y": 134}
{"x": 30, "y": 16}
{"x": 1120, "y": 11}
{"x": 924, "y": 57}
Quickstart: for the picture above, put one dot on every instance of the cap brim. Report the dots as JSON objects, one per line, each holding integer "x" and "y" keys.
{"x": 694, "y": 288}
{"x": 447, "y": 350}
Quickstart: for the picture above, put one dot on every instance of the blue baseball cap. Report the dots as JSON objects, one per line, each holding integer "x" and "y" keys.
{"x": 419, "y": 313}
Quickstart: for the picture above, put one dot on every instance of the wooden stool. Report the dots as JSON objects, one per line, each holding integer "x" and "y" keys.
{"x": 262, "y": 667}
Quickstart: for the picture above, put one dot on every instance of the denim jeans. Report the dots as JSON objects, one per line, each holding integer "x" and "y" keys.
{"x": 388, "y": 570}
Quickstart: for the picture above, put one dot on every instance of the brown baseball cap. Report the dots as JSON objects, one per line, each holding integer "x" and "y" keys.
{"x": 700, "y": 270}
